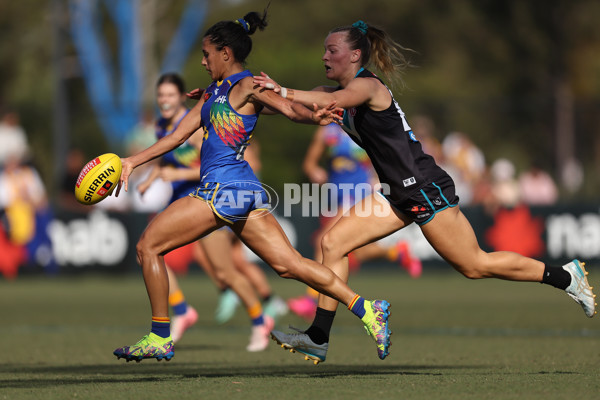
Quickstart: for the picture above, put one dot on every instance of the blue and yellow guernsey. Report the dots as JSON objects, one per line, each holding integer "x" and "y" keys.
{"x": 227, "y": 183}
{"x": 227, "y": 134}
{"x": 348, "y": 166}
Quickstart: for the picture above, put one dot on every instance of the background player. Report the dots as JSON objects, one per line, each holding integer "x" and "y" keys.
{"x": 349, "y": 176}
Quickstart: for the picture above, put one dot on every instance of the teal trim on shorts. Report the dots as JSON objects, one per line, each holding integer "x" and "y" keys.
{"x": 448, "y": 205}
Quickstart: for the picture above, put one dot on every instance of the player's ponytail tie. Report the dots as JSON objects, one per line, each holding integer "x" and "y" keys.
{"x": 361, "y": 26}
{"x": 244, "y": 24}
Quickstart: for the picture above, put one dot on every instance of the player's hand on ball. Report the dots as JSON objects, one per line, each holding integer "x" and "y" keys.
{"x": 126, "y": 170}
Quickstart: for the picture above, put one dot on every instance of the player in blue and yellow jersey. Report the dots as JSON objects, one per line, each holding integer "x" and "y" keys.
{"x": 229, "y": 193}
{"x": 414, "y": 187}
{"x": 214, "y": 253}
{"x": 347, "y": 177}
{"x": 180, "y": 167}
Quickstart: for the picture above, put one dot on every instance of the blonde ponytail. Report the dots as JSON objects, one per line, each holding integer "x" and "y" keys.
{"x": 377, "y": 48}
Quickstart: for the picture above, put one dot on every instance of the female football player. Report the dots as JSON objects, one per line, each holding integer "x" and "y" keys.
{"x": 414, "y": 187}
{"x": 181, "y": 167}
{"x": 229, "y": 193}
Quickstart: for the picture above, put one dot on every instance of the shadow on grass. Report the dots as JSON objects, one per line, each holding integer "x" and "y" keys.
{"x": 165, "y": 372}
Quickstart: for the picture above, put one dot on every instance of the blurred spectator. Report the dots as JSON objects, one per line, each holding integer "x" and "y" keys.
{"x": 537, "y": 186}
{"x": 21, "y": 194}
{"x": 424, "y": 129}
{"x": 505, "y": 187}
{"x": 572, "y": 175}
{"x": 26, "y": 213}
{"x": 143, "y": 134}
{"x": 74, "y": 163}
{"x": 13, "y": 141}
{"x": 483, "y": 193}
{"x": 464, "y": 162}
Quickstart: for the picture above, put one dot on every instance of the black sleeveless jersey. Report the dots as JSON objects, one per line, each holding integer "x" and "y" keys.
{"x": 394, "y": 150}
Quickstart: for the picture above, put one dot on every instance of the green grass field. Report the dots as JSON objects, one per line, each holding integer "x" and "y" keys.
{"x": 453, "y": 339}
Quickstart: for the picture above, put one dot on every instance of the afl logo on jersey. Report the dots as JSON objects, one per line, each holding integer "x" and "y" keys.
{"x": 207, "y": 96}
{"x": 352, "y": 112}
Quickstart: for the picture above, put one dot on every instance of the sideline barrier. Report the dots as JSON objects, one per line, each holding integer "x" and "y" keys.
{"x": 105, "y": 241}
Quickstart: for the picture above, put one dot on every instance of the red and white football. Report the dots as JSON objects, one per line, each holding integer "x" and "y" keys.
{"x": 98, "y": 179}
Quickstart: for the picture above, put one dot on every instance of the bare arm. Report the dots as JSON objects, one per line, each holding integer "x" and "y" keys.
{"x": 295, "y": 111}
{"x": 170, "y": 174}
{"x": 189, "y": 125}
{"x": 247, "y": 97}
{"x": 145, "y": 185}
{"x": 359, "y": 91}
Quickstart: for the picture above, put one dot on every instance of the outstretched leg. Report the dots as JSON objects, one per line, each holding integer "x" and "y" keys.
{"x": 451, "y": 235}
{"x": 183, "y": 222}
{"x": 266, "y": 238}
{"x": 368, "y": 221}
{"x": 218, "y": 247}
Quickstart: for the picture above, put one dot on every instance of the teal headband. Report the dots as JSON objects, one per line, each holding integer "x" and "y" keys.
{"x": 361, "y": 26}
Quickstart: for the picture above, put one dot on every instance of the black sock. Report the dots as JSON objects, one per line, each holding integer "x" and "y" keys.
{"x": 321, "y": 326}
{"x": 557, "y": 277}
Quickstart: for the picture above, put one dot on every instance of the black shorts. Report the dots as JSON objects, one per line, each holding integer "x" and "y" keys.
{"x": 432, "y": 198}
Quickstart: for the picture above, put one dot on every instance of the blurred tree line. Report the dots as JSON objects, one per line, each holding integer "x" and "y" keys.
{"x": 521, "y": 78}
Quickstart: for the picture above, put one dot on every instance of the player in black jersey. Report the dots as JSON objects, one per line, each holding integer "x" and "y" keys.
{"x": 415, "y": 189}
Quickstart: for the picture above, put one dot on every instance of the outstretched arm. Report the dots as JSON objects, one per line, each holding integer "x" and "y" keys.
{"x": 296, "y": 112}
{"x": 189, "y": 125}
{"x": 358, "y": 92}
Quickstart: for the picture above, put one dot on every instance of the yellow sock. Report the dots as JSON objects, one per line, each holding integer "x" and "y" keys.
{"x": 176, "y": 298}
{"x": 256, "y": 314}
{"x": 312, "y": 292}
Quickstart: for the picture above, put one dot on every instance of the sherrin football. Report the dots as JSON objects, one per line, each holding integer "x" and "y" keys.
{"x": 98, "y": 179}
